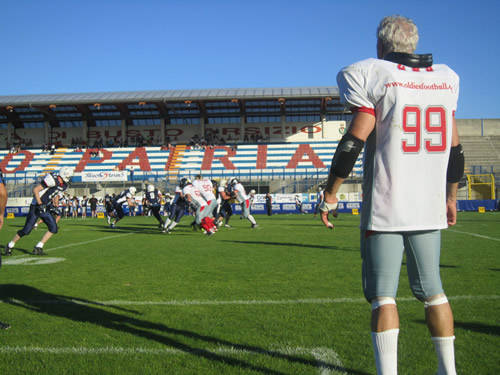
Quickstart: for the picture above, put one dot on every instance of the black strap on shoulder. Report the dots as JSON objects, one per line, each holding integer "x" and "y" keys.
{"x": 410, "y": 59}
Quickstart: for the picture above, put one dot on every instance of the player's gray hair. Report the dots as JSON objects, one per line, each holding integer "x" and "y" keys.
{"x": 397, "y": 34}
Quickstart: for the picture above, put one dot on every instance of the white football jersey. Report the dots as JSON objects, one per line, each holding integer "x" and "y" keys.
{"x": 206, "y": 187}
{"x": 406, "y": 157}
{"x": 195, "y": 194}
{"x": 240, "y": 193}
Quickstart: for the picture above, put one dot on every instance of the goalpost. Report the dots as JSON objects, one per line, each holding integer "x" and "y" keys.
{"x": 481, "y": 186}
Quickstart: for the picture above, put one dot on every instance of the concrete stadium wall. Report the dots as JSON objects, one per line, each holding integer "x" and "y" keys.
{"x": 478, "y": 127}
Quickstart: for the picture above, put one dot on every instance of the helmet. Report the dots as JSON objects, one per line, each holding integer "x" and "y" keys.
{"x": 132, "y": 190}
{"x": 66, "y": 173}
{"x": 252, "y": 191}
{"x": 223, "y": 182}
{"x": 184, "y": 181}
{"x": 234, "y": 181}
{"x": 151, "y": 188}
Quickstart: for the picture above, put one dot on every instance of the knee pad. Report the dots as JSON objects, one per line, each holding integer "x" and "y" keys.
{"x": 439, "y": 299}
{"x": 380, "y": 301}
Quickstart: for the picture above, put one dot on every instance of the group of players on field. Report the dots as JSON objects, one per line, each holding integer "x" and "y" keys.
{"x": 207, "y": 200}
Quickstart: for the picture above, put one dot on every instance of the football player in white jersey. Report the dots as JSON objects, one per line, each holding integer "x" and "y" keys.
{"x": 206, "y": 187}
{"x": 241, "y": 196}
{"x": 195, "y": 198}
{"x": 403, "y": 114}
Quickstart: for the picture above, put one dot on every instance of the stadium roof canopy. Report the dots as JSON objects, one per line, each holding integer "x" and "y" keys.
{"x": 170, "y": 105}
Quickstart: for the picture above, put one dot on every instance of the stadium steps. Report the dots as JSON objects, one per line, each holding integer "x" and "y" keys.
{"x": 174, "y": 161}
{"x": 482, "y": 154}
{"x": 56, "y": 159}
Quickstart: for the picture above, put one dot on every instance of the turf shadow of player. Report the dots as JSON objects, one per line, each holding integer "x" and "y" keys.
{"x": 85, "y": 311}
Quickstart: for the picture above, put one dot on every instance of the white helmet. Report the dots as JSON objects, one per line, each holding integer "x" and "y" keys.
{"x": 223, "y": 182}
{"x": 151, "y": 188}
{"x": 66, "y": 173}
{"x": 252, "y": 191}
{"x": 234, "y": 181}
{"x": 132, "y": 190}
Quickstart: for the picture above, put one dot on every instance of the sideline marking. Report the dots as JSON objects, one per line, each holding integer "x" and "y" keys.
{"x": 235, "y": 302}
{"x": 475, "y": 235}
{"x": 328, "y": 361}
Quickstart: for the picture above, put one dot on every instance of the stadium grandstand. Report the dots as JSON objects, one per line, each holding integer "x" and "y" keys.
{"x": 277, "y": 140}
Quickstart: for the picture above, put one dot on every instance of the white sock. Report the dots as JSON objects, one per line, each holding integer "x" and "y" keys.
{"x": 11, "y": 244}
{"x": 252, "y": 220}
{"x": 39, "y": 244}
{"x": 166, "y": 223}
{"x": 385, "y": 347}
{"x": 172, "y": 226}
{"x": 445, "y": 352}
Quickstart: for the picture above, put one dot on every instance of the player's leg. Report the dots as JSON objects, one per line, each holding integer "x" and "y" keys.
{"x": 156, "y": 213}
{"x": 52, "y": 229}
{"x": 29, "y": 224}
{"x": 382, "y": 254}
{"x": 422, "y": 254}
{"x": 245, "y": 209}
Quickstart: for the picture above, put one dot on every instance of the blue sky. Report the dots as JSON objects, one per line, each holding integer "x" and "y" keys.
{"x": 125, "y": 45}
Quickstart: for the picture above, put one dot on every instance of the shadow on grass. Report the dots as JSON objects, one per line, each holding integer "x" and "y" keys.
{"x": 475, "y": 327}
{"x": 81, "y": 310}
{"x": 291, "y": 244}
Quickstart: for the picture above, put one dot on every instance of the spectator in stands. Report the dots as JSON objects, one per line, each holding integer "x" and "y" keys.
{"x": 410, "y": 185}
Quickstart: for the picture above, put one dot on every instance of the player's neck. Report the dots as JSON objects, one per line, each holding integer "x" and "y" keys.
{"x": 410, "y": 59}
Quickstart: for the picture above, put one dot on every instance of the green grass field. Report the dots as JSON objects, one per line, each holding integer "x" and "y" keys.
{"x": 284, "y": 298}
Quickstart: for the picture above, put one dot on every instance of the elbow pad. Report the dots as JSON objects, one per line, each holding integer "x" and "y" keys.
{"x": 456, "y": 164}
{"x": 346, "y": 155}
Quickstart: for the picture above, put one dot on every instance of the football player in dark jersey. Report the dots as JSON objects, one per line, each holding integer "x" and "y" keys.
{"x": 108, "y": 207}
{"x": 226, "y": 210}
{"x": 178, "y": 207}
{"x": 51, "y": 185}
{"x": 126, "y": 196}
{"x": 153, "y": 201}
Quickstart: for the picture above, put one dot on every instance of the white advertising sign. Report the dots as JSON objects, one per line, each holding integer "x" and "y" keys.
{"x": 103, "y": 176}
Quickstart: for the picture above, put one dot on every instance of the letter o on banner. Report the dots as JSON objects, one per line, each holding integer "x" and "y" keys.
{"x": 311, "y": 129}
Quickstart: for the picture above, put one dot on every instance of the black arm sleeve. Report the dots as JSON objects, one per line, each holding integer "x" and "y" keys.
{"x": 346, "y": 155}
{"x": 456, "y": 164}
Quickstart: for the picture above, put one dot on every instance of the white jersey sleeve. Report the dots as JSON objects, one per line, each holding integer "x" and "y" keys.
{"x": 406, "y": 157}
{"x": 195, "y": 194}
{"x": 240, "y": 193}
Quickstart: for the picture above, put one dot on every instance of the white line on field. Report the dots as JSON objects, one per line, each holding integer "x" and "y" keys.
{"x": 235, "y": 302}
{"x": 328, "y": 361}
{"x": 475, "y": 235}
{"x": 76, "y": 244}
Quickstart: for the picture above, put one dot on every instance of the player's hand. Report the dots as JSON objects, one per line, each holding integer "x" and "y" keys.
{"x": 451, "y": 211}
{"x": 42, "y": 208}
{"x": 328, "y": 205}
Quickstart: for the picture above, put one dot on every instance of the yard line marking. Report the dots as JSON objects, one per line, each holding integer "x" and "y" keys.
{"x": 475, "y": 235}
{"x": 234, "y": 302}
{"x": 328, "y": 361}
{"x": 74, "y": 244}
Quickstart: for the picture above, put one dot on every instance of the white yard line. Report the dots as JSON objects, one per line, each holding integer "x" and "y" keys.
{"x": 475, "y": 235}
{"x": 238, "y": 302}
{"x": 327, "y": 359}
